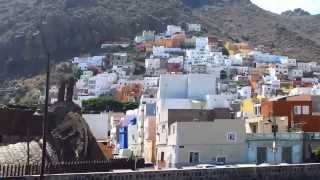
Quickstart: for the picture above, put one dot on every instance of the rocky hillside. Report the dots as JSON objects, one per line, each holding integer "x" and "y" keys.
{"x": 296, "y": 12}
{"x": 75, "y": 26}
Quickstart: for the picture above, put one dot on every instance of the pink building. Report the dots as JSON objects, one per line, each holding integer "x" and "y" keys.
{"x": 150, "y": 133}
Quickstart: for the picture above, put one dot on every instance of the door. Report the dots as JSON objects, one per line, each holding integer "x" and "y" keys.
{"x": 261, "y": 155}
{"x": 287, "y": 155}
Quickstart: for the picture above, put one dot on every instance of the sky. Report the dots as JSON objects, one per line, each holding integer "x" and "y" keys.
{"x": 279, "y": 6}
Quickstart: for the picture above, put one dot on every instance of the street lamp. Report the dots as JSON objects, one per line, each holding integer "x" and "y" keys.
{"x": 32, "y": 36}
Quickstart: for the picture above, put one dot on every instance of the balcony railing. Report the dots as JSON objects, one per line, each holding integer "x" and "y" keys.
{"x": 280, "y": 136}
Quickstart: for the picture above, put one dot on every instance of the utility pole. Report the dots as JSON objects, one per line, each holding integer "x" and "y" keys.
{"x": 274, "y": 145}
{"x": 28, "y": 150}
{"x": 45, "y": 119}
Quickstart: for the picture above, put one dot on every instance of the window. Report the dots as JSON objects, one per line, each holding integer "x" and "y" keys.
{"x": 257, "y": 110}
{"x": 297, "y": 109}
{"x": 162, "y": 156}
{"x": 194, "y": 157}
{"x": 163, "y": 128}
{"x": 254, "y": 128}
{"x": 221, "y": 160}
{"x": 231, "y": 137}
{"x": 305, "y": 110}
{"x": 173, "y": 129}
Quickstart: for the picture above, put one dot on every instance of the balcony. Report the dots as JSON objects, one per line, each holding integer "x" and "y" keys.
{"x": 312, "y": 136}
{"x": 280, "y": 136}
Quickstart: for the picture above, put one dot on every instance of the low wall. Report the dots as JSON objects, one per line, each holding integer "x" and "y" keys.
{"x": 292, "y": 172}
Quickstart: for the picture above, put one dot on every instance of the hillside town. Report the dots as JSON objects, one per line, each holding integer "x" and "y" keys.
{"x": 202, "y": 100}
{"x": 177, "y": 99}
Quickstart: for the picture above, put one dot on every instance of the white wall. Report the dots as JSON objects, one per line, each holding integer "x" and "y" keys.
{"x": 194, "y": 86}
{"x": 99, "y": 125}
{"x": 207, "y": 138}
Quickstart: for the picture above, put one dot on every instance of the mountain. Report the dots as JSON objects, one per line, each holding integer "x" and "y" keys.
{"x": 296, "y": 12}
{"x": 71, "y": 27}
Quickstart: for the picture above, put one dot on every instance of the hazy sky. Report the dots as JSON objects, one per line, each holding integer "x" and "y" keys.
{"x": 278, "y": 6}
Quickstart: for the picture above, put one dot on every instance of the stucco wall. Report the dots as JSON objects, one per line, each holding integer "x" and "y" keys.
{"x": 211, "y": 133}
{"x": 298, "y": 172}
{"x": 209, "y": 139}
{"x": 292, "y": 140}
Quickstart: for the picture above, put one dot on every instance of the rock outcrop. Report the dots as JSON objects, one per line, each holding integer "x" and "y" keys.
{"x": 70, "y": 135}
{"x": 296, "y": 12}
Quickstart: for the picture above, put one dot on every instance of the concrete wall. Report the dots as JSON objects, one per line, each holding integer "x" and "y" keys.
{"x": 209, "y": 139}
{"x": 298, "y": 172}
{"x": 293, "y": 140}
{"x": 197, "y": 133}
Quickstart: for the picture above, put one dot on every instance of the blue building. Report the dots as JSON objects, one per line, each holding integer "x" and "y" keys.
{"x": 123, "y": 138}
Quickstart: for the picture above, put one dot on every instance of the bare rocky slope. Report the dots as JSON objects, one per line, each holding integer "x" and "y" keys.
{"x": 74, "y": 26}
{"x": 296, "y": 12}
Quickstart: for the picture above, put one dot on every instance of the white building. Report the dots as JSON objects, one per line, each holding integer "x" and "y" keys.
{"x": 310, "y": 80}
{"x": 152, "y": 66}
{"x": 202, "y": 42}
{"x": 160, "y": 51}
{"x": 295, "y": 73}
{"x": 194, "y": 27}
{"x": 100, "y": 84}
{"x": 119, "y": 59}
{"x": 85, "y": 62}
{"x": 245, "y": 92}
{"x": 290, "y": 62}
{"x": 172, "y": 29}
{"x": 146, "y": 36}
{"x": 82, "y": 84}
{"x": 306, "y": 67}
{"x": 221, "y": 141}
{"x": 176, "y": 60}
{"x": 268, "y": 90}
{"x": 236, "y": 60}
{"x": 198, "y": 57}
{"x": 279, "y": 69}
{"x": 191, "y": 86}
{"x": 120, "y": 71}
{"x": 192, "y": 120}
{"x": 151, "y": 82}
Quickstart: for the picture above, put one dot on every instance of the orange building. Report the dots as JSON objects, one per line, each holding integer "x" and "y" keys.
{"x": 235, "y": 48}
{"x": 175, "y": 41}
{"x": 303, "y": 111}
{"x": 168, "y": 43}
{"x": 178, "y": 39}
{"x": 107, "y": 149}
{"x": 129, "y": 93}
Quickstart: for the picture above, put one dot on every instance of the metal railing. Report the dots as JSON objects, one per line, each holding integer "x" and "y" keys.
{"x": 19, "y": 170}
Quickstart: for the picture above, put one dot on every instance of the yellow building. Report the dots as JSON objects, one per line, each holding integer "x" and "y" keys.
{"x": 231, "y": 48}
{"x": 247, "y": 106}
{"x": 255, "y": 123}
